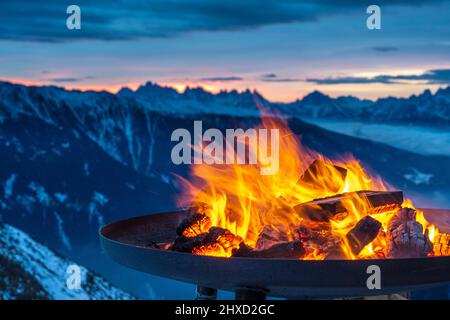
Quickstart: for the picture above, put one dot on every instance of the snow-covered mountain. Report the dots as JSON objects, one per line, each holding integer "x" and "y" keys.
{"x": 72, "y": 161}
{"x": 195, "y": 100}
{"x": 30, "y": 270}
{"x": 425, "y": 108}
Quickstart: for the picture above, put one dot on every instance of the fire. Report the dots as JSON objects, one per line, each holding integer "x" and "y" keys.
{"x": 238, "y": 198}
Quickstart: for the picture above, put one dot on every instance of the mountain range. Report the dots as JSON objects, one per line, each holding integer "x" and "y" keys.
{"x": 424, "y": 108}
{"x": 72, "y": 161}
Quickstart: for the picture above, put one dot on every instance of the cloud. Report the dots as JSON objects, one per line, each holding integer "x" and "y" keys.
{"x": 269, "y": 76}
{"x": 30, "y": 20}
{"x": 283, "y": 80}
{"x": 436, "y": 76}
{"x": 232, "y": 78}
{"x": 272, "y": 77}
{"x": 349, "y": 80}
{"x": 70, "y": 79}
{"x": 385, "y": 49}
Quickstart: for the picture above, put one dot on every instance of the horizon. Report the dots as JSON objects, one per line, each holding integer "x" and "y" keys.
{"x": 284, "y": 50}
{"x": 182, "y": 89}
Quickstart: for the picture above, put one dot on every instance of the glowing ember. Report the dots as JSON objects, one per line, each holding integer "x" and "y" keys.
{"x": 263, "y": 210}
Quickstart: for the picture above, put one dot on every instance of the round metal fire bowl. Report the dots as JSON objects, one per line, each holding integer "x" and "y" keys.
{"x": 125, "y": 241}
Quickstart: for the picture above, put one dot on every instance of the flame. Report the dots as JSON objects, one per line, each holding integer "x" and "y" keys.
{"x": 243, "y": 201}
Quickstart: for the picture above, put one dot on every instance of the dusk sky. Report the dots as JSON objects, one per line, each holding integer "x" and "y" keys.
{"x": 284, "y": 49}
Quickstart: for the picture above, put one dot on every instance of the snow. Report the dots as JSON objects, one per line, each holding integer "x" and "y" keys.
{"x": 26, "y": 201}
{"x": 9, "y": 184}
{"x": 49, "y": 269}
{"x": 61, "y": 233}
{"x": 100, "y": 198}
{"x": 418, "y": 177}
{"x": 418, "y": 139}
{"x": 61, "y": 197}
{"x": 41, "y": 194}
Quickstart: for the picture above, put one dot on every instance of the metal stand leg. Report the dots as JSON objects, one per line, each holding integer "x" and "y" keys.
{"x": 249, "y": 294}
{"x": 205, "y": 293}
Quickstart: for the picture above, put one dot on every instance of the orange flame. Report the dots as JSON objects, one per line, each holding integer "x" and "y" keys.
{"x": 243, "y": 201}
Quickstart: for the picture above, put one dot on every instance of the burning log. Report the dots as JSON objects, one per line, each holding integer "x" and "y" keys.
{"x": 194, "y": 225}
{"x": 284, "y": 250}
{"x": 441, "y": 244}
{"x": 326, "y": 208}
{"x": 363, "y": 233}
{"x": 322, "y": 176}
{"x": 270, "y": 236}
{"x": 186, "y": 244}
{"x": 406, "y": 238}
{"x": 217, "y": 240}
{"x": 336, "y": 253}
{"x": 318, "y": 239}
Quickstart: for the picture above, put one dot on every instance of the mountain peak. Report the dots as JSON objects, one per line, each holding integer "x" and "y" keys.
{"x": 125, "y": 91}
{"x": 316, "y": 97}
{"x": 443, "y": 91}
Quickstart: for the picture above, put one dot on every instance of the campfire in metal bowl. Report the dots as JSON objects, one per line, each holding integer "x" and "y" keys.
{"x": 313, "y": 208}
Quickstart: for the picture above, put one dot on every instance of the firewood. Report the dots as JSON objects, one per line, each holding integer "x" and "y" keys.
{"x": 186, "y": 244}
{"x": 283, "y": 250}
{"x": 363, "y": 233}
{"x": 405, "y": 236}
{"x": 321, "y": 175}
{"x": 318, "y": 239}
{"x": 441, "y": 245}
{"x": 269, "y": 236}
{"x": 214, "y": 236}
{"x": 194, "y": 224}
{"x": 337, "y": 253}
{"x": 325, "y": 209}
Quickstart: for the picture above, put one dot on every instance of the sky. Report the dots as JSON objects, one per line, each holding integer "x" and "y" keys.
{"x": 283, "y": 48}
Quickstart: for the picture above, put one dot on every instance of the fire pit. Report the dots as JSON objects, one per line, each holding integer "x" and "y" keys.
{"x": 312, "y": 229}
{"x": 127, "y": 243}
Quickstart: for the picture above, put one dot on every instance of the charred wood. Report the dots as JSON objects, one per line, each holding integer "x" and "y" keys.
{"x": 284, "y": 250}
{"x": 322, "y": 175}
{"x": 441, "y": 245}
{"x": 331, "y": 207}
{"x": 270, "y": 236}
{"x": 405, "y": 236}
{"x": 363, "y": 233}
{"x": 193, "y": 225}
{"x": 214, "y": 236}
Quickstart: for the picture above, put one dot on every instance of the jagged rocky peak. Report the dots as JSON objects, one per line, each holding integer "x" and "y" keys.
{"x": 316, "y": 97}
{"x": 125, "y": 92}
{"x": 149, "y": 90}
{"x": 422, "y": 108}
{"x": 443, "y": 92}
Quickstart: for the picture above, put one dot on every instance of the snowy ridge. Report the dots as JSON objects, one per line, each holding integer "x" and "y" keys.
{"x": 425, "y": 108}
{"x": 97, "y": 109}
{"x": 421, "y": 108}
{"x": 111, "y": 120}
{"x": 29, "y": 270}
{"x": 195, "y": 100}
{"x": 106, "y": 119}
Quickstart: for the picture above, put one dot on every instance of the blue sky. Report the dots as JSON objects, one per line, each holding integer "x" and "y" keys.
{"x": 282, "y": 48}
